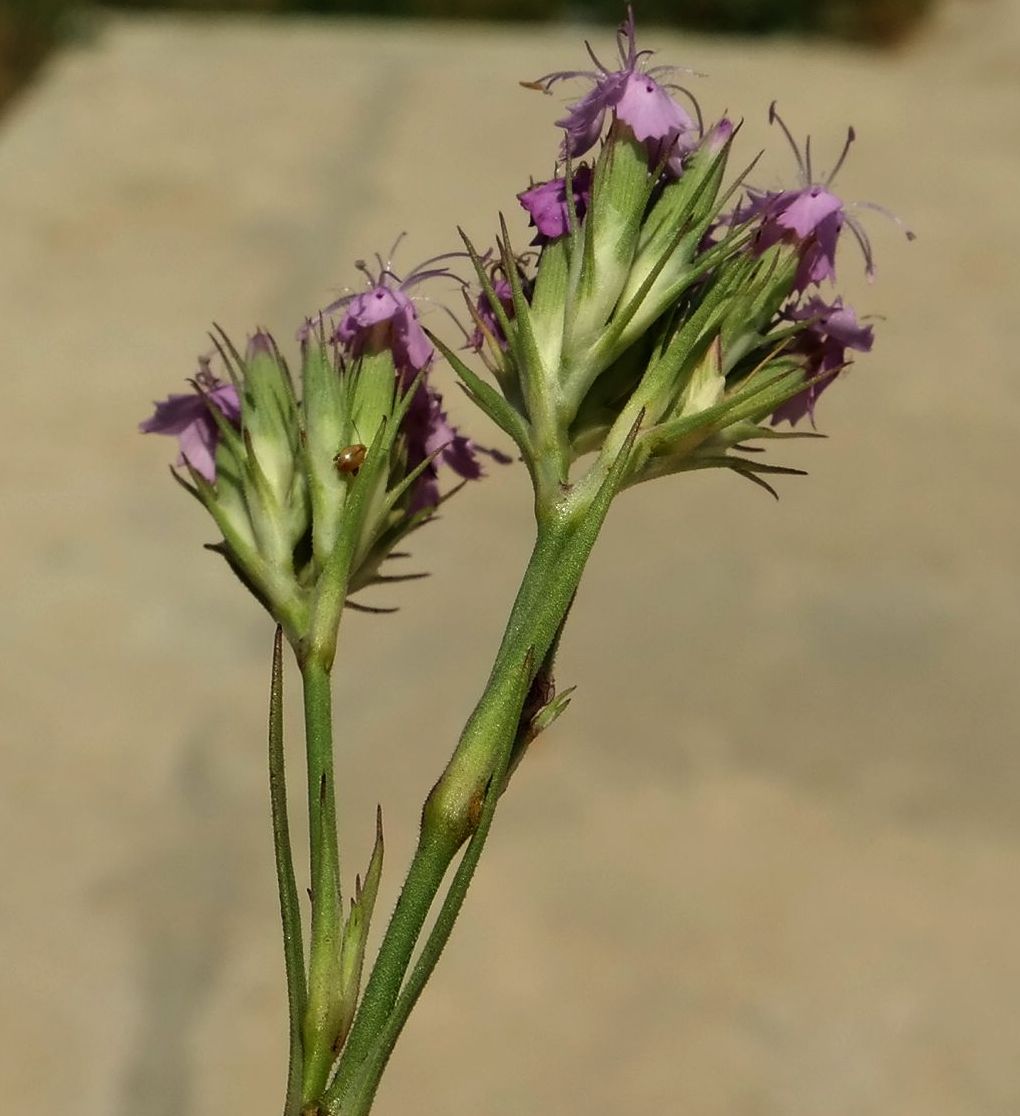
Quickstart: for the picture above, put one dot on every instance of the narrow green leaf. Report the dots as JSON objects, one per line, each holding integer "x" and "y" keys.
{"x": 290, "y": 910}
{"x": 552, "y": 712}
{"x": 488, "y": 399}
{"x": 355, "y": 935}
{"x": 394, "y": 494}
{"x": 374, "y": 873}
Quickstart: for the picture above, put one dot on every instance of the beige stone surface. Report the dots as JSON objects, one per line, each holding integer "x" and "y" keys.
{"x": 768, "y": 864}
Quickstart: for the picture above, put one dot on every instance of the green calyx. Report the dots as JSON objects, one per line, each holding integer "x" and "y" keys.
{"x": 603, "y": 248}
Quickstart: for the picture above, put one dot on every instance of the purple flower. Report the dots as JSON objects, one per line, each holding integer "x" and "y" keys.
{"x": 546, "y": 203}
{"x": 829, "y": 332}
{"x": 810, "y": 216}
{"x": 188, "y": 418}
{"x": 384, "y": 317}
{"x": 632, "y": 93}
{"x": 428, "y": 431}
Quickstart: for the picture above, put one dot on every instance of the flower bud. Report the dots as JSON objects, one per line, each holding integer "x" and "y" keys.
{"x": 270, "y": 414}
{"x": 274, "y": 485}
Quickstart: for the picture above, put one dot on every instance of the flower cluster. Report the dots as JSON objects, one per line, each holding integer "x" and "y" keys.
{"x": 661, "y": 303}
{"x": 384, "y": 319}
{"x": 352, "y": 460}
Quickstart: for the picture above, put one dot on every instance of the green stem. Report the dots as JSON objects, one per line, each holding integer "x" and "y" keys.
{"x": 455, "y": 805}
{"x": 323, "y": 1007}
{"x": 290, "y": 910}
{"x": 363, "y": 1087}
{"x": 318, "y": 701}
{"x": 316, "y": 650}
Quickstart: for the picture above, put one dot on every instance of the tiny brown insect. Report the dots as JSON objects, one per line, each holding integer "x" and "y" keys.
{"x": 350, "y": 459}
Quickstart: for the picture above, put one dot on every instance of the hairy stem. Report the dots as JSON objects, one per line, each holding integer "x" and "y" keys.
{"x": 324, "y": 855}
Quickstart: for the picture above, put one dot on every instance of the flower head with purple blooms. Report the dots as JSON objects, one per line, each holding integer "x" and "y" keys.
{"x": 829, "y": 331}
{"x": 188, "y": 417}
{"x": 632, "y": 93}
{"x": 546, "y": 204}
{"x": 810, "y": 216}
{"x": 385, "y": 317}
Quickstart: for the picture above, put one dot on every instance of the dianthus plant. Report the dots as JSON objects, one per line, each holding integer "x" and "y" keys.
{"x": 667, "y": 317}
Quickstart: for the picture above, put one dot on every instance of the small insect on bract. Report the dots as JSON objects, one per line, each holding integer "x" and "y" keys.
{"x": 350, "y": 459}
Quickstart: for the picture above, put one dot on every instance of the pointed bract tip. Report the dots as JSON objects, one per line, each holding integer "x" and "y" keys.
{"x": 370, "y": 608}
{"x": 260, "y": 343}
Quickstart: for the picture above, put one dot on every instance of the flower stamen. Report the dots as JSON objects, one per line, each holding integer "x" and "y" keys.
{"x": 775, "y": 118}
{"x": 851, "y": 135}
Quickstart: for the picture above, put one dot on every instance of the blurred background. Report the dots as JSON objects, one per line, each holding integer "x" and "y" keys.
{"x": 30, "y": 28}
{"x": 767, "y": 865}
